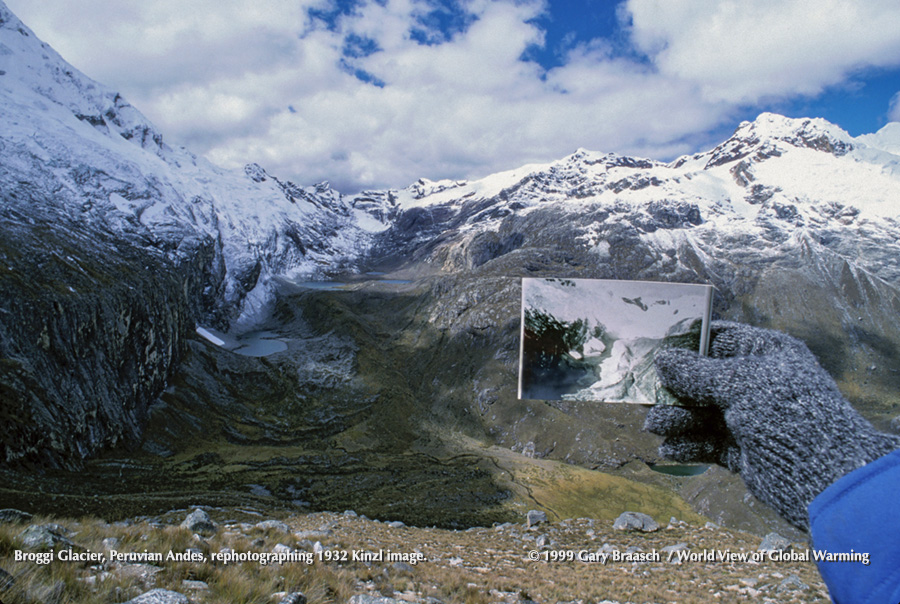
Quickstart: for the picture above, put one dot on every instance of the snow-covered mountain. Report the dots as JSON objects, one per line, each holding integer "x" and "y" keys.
{"x": 776, "y": 181}
{"x": 83, "y": 149}
{"x": 113, "y": 244}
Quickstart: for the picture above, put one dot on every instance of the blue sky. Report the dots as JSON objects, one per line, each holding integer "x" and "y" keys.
{"x": 378, "y": 93}
{"x": 860, "y": 103}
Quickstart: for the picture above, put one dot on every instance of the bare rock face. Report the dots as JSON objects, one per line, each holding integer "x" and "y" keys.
{"x": 92, "y": 329}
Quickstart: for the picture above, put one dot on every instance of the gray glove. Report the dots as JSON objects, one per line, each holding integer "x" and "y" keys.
{"x": 767, "y": 411}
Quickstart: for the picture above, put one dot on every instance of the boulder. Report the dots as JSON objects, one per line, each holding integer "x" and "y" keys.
{"x": 534, "y": 517}
{"x": 43, "y": 535}
{"x": 199, "y": 522}
{"x": 635, "y": 521}
{"x": 275, "y": 525}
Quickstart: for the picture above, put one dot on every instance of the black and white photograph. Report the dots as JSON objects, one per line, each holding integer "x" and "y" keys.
{"x": 595, "y": 340}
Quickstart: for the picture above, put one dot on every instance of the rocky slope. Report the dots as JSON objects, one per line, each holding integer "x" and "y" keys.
{"x": 114, "y": 244}
{"x": 350, "y": 559}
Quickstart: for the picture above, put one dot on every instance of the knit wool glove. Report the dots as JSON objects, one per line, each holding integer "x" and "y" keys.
{"x": 764, "y": 408}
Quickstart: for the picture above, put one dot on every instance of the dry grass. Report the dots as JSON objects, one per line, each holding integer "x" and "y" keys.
{"x": 478, "y": 566}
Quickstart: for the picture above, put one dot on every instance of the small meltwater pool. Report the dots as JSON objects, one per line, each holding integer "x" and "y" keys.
{"x": 678, "y": 469}
{"x": 251, "y": 344}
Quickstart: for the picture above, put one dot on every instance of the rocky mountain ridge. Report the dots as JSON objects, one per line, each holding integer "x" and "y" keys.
{"x": 82, "y": 149}
{"x": 115, "y": 244}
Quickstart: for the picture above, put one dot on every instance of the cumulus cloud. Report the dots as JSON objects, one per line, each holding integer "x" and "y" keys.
{"x": 741, "y": 52}
{"x": 381, "y": 95}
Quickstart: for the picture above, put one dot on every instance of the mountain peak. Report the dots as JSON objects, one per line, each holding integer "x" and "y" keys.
{"x": 766, "y": 135}
{"x": 814, "y": 133}
{"x": 886, "y": 139}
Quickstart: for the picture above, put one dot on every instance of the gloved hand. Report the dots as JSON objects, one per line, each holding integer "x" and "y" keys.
{"x": 763, "y": 407}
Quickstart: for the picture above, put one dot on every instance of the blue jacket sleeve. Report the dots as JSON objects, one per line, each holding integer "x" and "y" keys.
{"x": 859, "y": 516}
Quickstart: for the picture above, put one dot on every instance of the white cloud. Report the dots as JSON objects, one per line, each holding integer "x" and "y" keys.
{"x": 742, "y": 52}
{"x": 220, "y": 75}
{"x": 894, "y": 108}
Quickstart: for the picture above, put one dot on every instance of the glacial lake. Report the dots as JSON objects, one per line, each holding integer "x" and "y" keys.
{"x": 339, "y": 285}
{"x": 259, "y": 344}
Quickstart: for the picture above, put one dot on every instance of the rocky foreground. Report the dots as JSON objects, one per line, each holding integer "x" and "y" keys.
{"x": 234, "y": 555}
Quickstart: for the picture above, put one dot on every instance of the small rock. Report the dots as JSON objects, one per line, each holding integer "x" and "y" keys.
{"x": 712, "y": 526}
{"x": 275, "y": 525}
{"x": 351, "y": 514}
{"x": 792, "y": 583}
{"x": 281, "y": 548}
{"x": 671, "y": 549}
{"x": 606, "y": 548}
{"x": 110, "y": 543}
{"x": 144, "y": 573}
{"x": 160, "y": 596}
{"x": 294, "y": 597}
{"x": 396, "y": 524}
{"x": 199, "y": 522}
{"x": 535, "y": 517}
{"x": 367, "y": 599}
{"x": 13, "y": 516}
{"x": 194, "y": 585}
{"x": 542, "y": 541}
{"x": 635, "y": 521}
{"x": 895, "y": 424}
{"x": 402, "y": 567}
{"x": 259, "y": 490}
{"x": 774, "y": 542}
{"x": 318, "y": 548}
